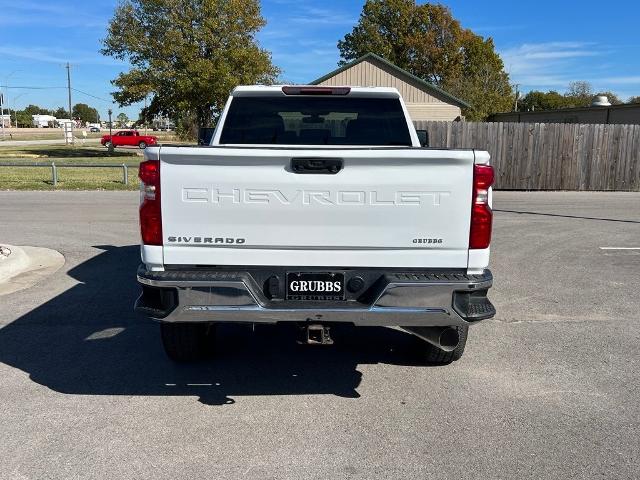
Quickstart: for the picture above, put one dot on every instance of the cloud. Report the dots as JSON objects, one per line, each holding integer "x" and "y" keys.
{"x": 549, "y": 64}
{"x": 623, "y": 80}
{"x": 295, "y": 15}
{"x": 302, "y": 38}
{"x": 320, "y": 16}
{"x": 26, "y": 12}
{"x": 554, "y": 65}
{"x": 33, "y": 53}
{"x": 305, "y": 66}
{"x": 489, "y": 29}
{"x": 527, "y": 57}
{"x": 57, "y": 55}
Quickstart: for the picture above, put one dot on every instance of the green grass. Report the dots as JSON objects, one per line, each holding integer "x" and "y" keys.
{"x": 69, "y": 178}
{"x": 27, "y": 178}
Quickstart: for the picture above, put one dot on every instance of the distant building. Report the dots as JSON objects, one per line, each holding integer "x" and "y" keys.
{"x": 620, "y": 114}
{"x": 162, "y": 123}
{"x": 63, "y": 121}
{"x": 43, "y": 121}
{"x": 424, "y": 101}
{"x": 5, "y": 120}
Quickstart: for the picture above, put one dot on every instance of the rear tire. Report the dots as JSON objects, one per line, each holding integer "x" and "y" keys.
{"x": 435, "y": 356}
{"x": 142, "y": 145}
{"x": 188, "y": 342}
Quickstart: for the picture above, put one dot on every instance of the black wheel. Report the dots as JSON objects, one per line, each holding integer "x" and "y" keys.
{"x": 108, "y": 145}
{"x": 188, "y": 342}
{"x": 142, "y": 145}
{"x": 436, "y": 356}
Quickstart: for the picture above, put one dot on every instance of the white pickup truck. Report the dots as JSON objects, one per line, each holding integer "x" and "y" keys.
{"x": 315, "y": 205}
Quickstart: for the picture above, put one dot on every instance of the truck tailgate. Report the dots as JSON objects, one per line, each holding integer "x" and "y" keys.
{"x": 386, "y": 207}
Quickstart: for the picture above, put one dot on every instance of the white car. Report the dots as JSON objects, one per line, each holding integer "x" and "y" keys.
{"x": 315, "y": 205}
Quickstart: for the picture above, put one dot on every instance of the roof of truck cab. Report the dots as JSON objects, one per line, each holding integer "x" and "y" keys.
{"x": 276, "y": 90}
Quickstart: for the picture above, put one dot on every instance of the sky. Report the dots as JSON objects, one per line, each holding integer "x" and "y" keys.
{"x": 544, "y": 45}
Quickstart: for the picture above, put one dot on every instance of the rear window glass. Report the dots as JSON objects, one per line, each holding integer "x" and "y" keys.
{"x": 305, "y": 120}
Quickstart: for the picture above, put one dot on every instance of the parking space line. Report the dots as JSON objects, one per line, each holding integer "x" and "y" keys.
{"x": 619, "y": 248}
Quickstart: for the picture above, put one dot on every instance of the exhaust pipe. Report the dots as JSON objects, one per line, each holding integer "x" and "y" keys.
{"x": 445, "y": 338}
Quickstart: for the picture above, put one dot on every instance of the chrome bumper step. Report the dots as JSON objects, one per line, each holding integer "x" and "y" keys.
{"x": 391, "y": 298}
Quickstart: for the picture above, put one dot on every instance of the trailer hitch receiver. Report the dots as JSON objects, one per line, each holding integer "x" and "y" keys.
{"x": 316, "y": 334}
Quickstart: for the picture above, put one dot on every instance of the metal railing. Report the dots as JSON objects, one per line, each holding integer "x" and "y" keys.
{"x": 54, "y": 168}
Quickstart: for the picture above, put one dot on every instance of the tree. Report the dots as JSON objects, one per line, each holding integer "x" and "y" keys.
{"x": 428, "y": 42}
{"x": 24, "y": 118}
{"x": 85, "y": 113}
{"x": 189, "y": 54}
{"x": 61, "y": 113}
{"x": 579, "y": 94}
{"x": 122, "y": 120}
{"x": 482, "y": 81}
{"x": 36, "y": 110}
{"x": 537, "y": 100}
{"x": 634, "y": 100}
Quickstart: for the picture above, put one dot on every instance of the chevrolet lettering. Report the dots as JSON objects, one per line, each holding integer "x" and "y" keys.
{"x": 231, "y": 196}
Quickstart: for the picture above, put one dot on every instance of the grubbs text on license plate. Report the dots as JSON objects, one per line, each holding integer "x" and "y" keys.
{"x": 315, "y": 286}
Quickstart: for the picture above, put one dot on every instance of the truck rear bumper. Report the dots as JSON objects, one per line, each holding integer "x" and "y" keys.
{"x": 387, "y": 298}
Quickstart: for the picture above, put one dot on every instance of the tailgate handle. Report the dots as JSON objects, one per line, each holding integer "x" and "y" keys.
{"x": 329, "y": 166}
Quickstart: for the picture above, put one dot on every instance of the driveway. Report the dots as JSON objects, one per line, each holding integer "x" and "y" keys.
{"x": 547, "y": 389}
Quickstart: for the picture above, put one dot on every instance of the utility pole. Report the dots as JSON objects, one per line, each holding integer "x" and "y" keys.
{"x": 145, "y": 115}
{"x": 15, "y": 108}
{"x": 110, "y": 137}
{"x": 6, "y": 86}
{"x": 2, "y": 113}
{"x": 515, "y": 108}
{"x": 69, "y": 88}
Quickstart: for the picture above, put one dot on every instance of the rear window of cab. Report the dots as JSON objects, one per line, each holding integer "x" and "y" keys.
{"x": 315, "y": 120}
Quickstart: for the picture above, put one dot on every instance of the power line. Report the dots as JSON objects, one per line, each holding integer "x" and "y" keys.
{"x": 51, "y": 88}
{"x": 92, "y": 96}
{"x": 30, "y": 88}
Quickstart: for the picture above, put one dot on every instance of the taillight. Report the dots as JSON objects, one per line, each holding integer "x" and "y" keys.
{"x": 481, "y": 215}
{"x": 150, "y": 213}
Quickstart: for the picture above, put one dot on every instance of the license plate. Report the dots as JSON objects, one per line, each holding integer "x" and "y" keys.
{"x": 315, "y": 286}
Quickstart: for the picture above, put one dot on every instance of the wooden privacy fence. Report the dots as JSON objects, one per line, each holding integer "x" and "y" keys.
{"x": 549, "y": 156}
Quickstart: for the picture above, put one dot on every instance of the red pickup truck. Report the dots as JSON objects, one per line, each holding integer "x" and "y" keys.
{"x": 128, "y": 138}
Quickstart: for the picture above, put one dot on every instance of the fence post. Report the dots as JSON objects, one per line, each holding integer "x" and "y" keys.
{"x": 125, "y": 174}
{"x": 54, "y": 174}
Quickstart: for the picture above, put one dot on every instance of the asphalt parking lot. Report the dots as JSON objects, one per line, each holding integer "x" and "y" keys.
{"x": 548, "y": 389}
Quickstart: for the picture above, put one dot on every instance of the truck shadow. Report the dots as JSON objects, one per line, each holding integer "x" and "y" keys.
{"x": 88, "y": 341}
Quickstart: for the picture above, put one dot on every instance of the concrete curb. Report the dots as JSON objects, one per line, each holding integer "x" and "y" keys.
{"x": 26, "y": 266}
{"x": 13, "y": 263}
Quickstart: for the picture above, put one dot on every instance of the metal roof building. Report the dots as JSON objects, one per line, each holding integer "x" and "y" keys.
{"x": 620, "y": 114}
{"x": 424, "y": 100}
